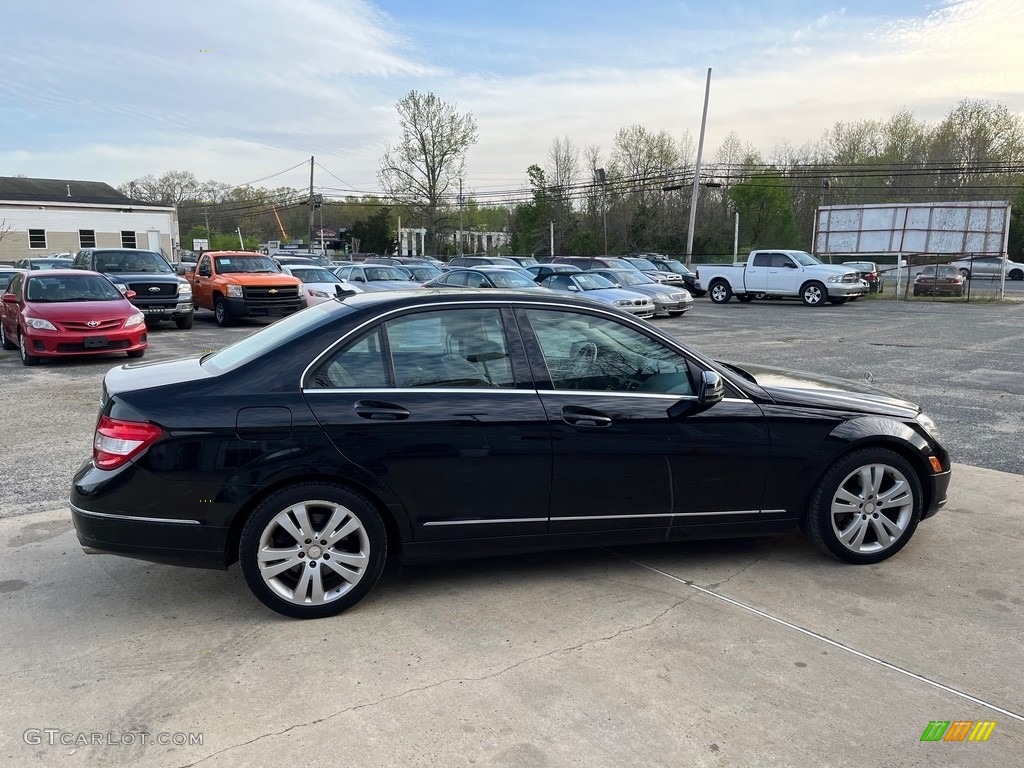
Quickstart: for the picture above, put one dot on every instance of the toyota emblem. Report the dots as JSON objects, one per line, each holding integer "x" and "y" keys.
{"x": 93, "y": 323}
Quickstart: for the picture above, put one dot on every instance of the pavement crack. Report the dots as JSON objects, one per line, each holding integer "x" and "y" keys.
{"x": 419, "y": 689}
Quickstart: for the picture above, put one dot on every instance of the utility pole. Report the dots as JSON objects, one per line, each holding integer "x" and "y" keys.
{"x": 311, "y": 202}
{"x": 552, "y": 239}
{"x": 600, "y": 178}
{"x": 696, "y": 175}
{"x": 458, "y": 250}
{"x": 241, "y": 244}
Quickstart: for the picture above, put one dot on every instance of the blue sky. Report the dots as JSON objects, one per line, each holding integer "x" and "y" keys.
{"x": 236, "y": 90}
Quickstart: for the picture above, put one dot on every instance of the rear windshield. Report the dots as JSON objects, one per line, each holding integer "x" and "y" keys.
{"x": 132, "y": 261}
{"x": 281, "y": 333}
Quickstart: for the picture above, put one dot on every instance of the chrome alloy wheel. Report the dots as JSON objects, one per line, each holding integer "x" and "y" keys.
{"x": 313, "y": 553}
{"x": 872, "y": 508}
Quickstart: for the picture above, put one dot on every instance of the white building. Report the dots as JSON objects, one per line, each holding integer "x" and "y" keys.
{"x": 44, "y": 216}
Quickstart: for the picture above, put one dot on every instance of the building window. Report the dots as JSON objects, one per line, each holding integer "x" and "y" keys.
{"x": 87, "y": 238}
{"x": 37, "y": 238}
{"x": 127, "y": 239}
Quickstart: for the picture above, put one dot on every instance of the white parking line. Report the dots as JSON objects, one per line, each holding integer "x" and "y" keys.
{"x": 822, "y": 638}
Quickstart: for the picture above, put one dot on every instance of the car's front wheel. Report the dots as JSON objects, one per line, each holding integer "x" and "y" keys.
{"x": 312, "y": 550}
{"x": 966, "y": 273}
{"x": 184, "y": 323}
{"x": 1016, "y": 274}
{"x": 866, "y": 506}
{"x": 814, "y": 294}
{"x": 221, "y": 313}
{"x": 27, "y": 358}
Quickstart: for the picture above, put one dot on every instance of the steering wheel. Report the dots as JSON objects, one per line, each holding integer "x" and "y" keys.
{"x": 582, "y": 361}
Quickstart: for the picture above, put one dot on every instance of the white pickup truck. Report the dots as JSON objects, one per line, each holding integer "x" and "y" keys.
{"x": 781, "y": 273}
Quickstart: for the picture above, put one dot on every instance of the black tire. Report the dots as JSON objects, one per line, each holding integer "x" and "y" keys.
{"x": 744, "y": 298}
{"x": 719, "y": 291}
{"x": 5, "y": 342}
{"x": 814, "y": 294}
{"x": 221, "y": 313}
{"x": 323, "y": 504}
{"x": 26, "y": 357}
{"x": 841, "y": 300}
{"x": 965, "y": 272}
{"x": 698, "y": 294}
{"x": 1016, "y": 274}
{"x": 135, "y": 354}
{"x": 917, "y": 292}
{"x": 184, "y": 323}
{"x": 843, "y": 506}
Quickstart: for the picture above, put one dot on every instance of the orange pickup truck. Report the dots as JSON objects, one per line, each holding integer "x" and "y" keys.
{"x": 243, "y": 284}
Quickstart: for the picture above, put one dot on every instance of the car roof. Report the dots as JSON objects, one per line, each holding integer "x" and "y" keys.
{"x": 63, "y": 273}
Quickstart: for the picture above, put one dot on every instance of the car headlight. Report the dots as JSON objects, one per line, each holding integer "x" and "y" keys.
{"x": 39, "y": 324}
{"x": 623, "y": 302}
{"x": 184, "y": 289}
{"x": 235, "y": 291}
{"x": 121, "y": 287}
{"x": 318, "y": 294}
{"x": 927, "y": 424}
{"x": 836, "y": 279}
{"x": 135, "y": 320}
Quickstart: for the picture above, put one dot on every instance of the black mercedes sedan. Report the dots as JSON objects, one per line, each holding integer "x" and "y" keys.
{"x": 403, "y": 423}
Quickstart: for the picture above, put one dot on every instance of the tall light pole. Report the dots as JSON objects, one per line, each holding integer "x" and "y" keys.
{"x": 696, "y": 174}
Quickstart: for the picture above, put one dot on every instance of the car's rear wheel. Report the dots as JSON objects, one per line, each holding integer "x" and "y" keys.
{"x": 866, "y": 506}
{"x": 720, "y": 292}
{"x": 221, "y": 313}
{"x": 5, "y": 342}
{"x": 312, "y": 550}
{"x": 184, "y": 323}
{"x": 814, "y": 294}
{"x": 745, "y": 298}
{"x": 1016, "y": 274}
{"x": 966, "y": 273}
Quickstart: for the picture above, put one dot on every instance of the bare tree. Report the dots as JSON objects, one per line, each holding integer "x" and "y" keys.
{"x": 5, "y": 229}
{"x": 430, "y": 157}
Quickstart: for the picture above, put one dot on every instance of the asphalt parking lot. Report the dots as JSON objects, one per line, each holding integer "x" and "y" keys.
{"x": 734, "y": 653}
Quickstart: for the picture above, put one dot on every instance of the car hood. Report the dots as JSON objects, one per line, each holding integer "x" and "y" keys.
{"x": 82, "y": 311}
{"x": 150, "y": 277}
{"x": 613, "y": 294}
{"x": 801, "y": 388}
{"x": 834, "y": 269}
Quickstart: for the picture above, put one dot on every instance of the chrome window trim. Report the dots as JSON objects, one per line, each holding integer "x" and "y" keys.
{"x": 434, "y": 390}
{"x": 112, "y": 516}
{"x": 499, "y": 303}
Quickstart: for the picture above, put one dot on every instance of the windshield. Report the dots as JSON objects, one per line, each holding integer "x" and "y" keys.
{"x": 677, "y": 266}
{"x": 632, "y": 278}
{"x": 526, "y": 261}
{"x": 233, "y": 264}
{"x": 71, "y": 288}
{"x": 314, "y": 275}
{"x": 422, "y": 274}
{"x": 593, "y": 282}
{"x": 501, "y": 261}
{"x": 132, "y": 261}
{"x": 804, "y": 259}
{"x": 510, "y": 280}
{"x": 386, "y": 273}
{"x": 644, "y": 264}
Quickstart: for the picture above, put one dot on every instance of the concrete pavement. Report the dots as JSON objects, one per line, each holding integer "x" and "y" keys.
{"x": 731, "y": 653}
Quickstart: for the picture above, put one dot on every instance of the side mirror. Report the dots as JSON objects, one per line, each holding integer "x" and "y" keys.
{"x": 572, "y": 287}
{"x": 710, "y": 390}
{"x": 791, "y": 265}
{"x": 129, "y": 294}
{"x": 10, "y": 298}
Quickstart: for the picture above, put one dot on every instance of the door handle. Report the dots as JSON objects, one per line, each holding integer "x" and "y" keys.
{"x": 582, "y": 417}
{"x": 374, "y": 409}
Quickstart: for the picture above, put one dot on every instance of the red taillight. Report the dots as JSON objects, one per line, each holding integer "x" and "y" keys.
{"x": 117, "y": 441}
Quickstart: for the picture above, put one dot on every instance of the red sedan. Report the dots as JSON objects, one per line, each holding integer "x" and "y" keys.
{"x": 61, "y": 312}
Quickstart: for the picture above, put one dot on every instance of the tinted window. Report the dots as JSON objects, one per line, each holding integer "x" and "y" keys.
{"x": 443, "y": 348}
{"x": 762, "y": 260}
{"x": 582, "y": 352}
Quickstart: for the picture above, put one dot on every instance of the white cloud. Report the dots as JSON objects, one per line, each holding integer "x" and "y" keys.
{"x": 115, "y": 94}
